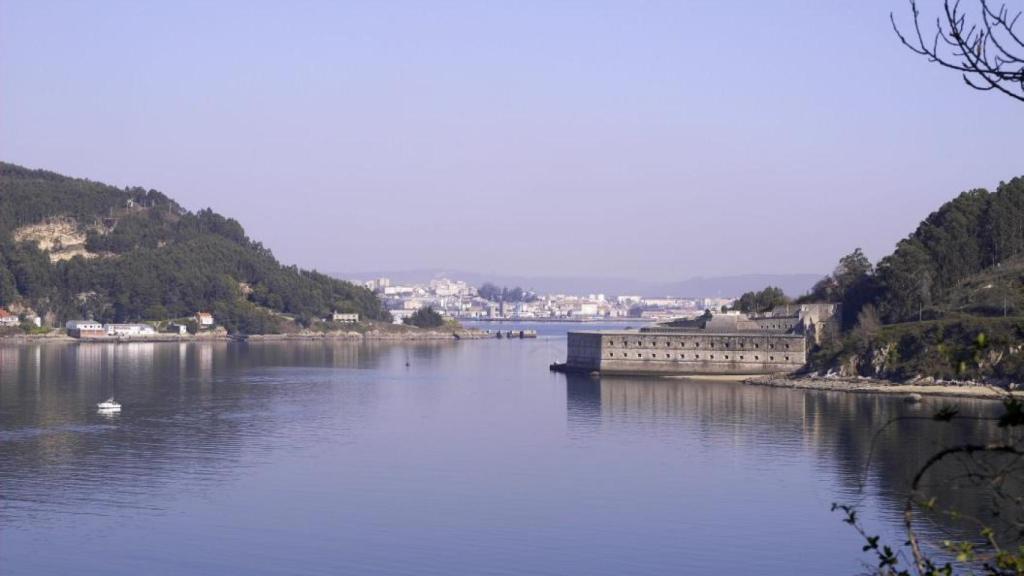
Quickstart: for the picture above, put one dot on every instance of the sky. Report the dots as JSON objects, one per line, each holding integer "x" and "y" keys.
{"x": 657, "y": 140}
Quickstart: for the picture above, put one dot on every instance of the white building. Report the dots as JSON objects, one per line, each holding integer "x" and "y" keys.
{"x": 204, "y": 319}
{"x": 85, "y": 329}
{"x": 399, "y": 315}
{"x": 8, "y": 320}
{"x": 129, "y": 330}
{"x": 344, "y": 318}
{"x": 378, "y": 285}
{"x": 398, "y": 290}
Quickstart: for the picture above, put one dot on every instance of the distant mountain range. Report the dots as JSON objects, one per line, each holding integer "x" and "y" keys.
{"x": 725, "y": 286}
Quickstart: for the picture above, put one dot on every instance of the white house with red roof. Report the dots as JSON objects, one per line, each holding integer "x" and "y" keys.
{"x": 8, "y": 320}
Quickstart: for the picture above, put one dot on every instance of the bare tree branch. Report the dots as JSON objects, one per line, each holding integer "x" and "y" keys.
{"x": 985, "y": 48}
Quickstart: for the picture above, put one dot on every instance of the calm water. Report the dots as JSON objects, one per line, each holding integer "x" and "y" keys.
{"x": 446, "y": 458}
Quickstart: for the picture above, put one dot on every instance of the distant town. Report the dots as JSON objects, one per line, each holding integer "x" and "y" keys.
{"x": 451, "y": 299}
{"x": 462, "y": 301}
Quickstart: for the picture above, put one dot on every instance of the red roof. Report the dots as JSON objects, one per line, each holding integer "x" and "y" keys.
{"x": 4, "y": 313}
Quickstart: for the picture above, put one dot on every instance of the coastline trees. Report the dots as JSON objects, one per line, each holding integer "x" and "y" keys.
{"x": 763, "y": 301}
{"x": 425, "y": 318}
{"x": 494, "y": 293}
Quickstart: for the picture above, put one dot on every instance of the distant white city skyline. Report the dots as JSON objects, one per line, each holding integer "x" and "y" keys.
{"x": 463, "y": 301}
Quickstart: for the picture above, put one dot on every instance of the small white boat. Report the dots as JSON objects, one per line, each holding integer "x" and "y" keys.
{"x": 109, "y": 405}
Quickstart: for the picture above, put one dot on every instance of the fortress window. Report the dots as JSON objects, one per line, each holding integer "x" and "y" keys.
{"x": 712, "y": 356}
{"x": 696, "y": 344}
{"x": 772, "y": 358}
{"x": 787, "y": 358}
{"x": 755, "y": 345}
{"x": 787, "y": 346}
{"x": 741, "y": 357}
{"x": 639, "y": 343}
{"x": 771, "y": 345}
{"x": 712, "y": 344}
{"x": 668, "y": 355}
{"x": 757, "y": 357}
{"x": 696, "y": 355}
{"x": 726, "y": 356}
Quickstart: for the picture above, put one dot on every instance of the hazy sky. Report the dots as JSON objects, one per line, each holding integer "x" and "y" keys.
{"x": 656, "y": 139}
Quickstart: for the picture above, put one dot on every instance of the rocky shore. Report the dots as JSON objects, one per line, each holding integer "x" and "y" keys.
{"x": 910, "y": 390}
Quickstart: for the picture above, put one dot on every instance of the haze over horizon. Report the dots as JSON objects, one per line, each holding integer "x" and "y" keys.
{"x": 571, "y": 139}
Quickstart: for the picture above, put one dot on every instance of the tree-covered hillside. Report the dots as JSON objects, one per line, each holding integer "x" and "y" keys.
{"x": 947, "y": 303}
{"x": 963, "y": 258}
{"x": 975, "y": 231}
{"x": 142, "y": 256}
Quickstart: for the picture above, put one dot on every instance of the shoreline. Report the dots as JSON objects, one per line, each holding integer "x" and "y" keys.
{"x": 872, "y": 386}
{"x": 353, "y": 336}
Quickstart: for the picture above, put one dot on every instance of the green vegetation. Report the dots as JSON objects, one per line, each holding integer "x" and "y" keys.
{"x": 763, "y": 301}
{"x": 505, "y": 294}
{"x": 949, "y": 349}
{"x": 945, "y": 304}
{"x": 425, "y": 318}
{"x": 154, "y": 260}
{"x": 965, "y": 236}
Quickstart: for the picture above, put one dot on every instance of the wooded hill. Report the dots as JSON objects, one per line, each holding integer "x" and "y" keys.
{"x": 72, "y": 248}
{"x": 948, "y": 302}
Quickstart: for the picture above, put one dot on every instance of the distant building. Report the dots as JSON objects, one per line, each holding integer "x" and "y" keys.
{"x": 730, "y": 343}
{"x": 378, "y": 285}
{"x": 8, "y": 320}
{"x": 398, "y": 290}
{"x": 85, "y": 329}
{"x": 180, "y": 329}
{"x": 129, "y": 330}
{"x": 398, "y": 316}
{"x": 345, "y": 318}
{"x": 204, "y": 319}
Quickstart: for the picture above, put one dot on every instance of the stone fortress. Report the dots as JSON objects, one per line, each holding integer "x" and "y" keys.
{"x": 729, "y": 343}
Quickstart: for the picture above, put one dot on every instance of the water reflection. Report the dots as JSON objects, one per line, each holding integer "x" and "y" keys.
{"x": 434, "y": 458}
{"x": 841, "y": 430}
{"x": 186, "y": 416}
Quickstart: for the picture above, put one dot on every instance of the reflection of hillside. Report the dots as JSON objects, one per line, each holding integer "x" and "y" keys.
{"x": 836, "y": 427}
{"x": 191, "y": 411}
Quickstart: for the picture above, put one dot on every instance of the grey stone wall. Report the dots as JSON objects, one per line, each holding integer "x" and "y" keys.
{"x": 686, "y": 353}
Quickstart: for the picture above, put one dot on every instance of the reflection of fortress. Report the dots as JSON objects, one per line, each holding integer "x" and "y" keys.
{"x": 633, "y": 399}
{"x": 842, "y": 432}
{"x": 726, "y": 344}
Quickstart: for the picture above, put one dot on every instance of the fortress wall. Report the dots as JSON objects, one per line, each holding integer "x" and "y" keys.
{"x": 782, "y": 324}
{"x": 686, "y": 353}
{"x": 584, "y": 350}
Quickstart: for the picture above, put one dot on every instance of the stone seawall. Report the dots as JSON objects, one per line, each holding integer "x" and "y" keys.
{"x": 685, "y": 352}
